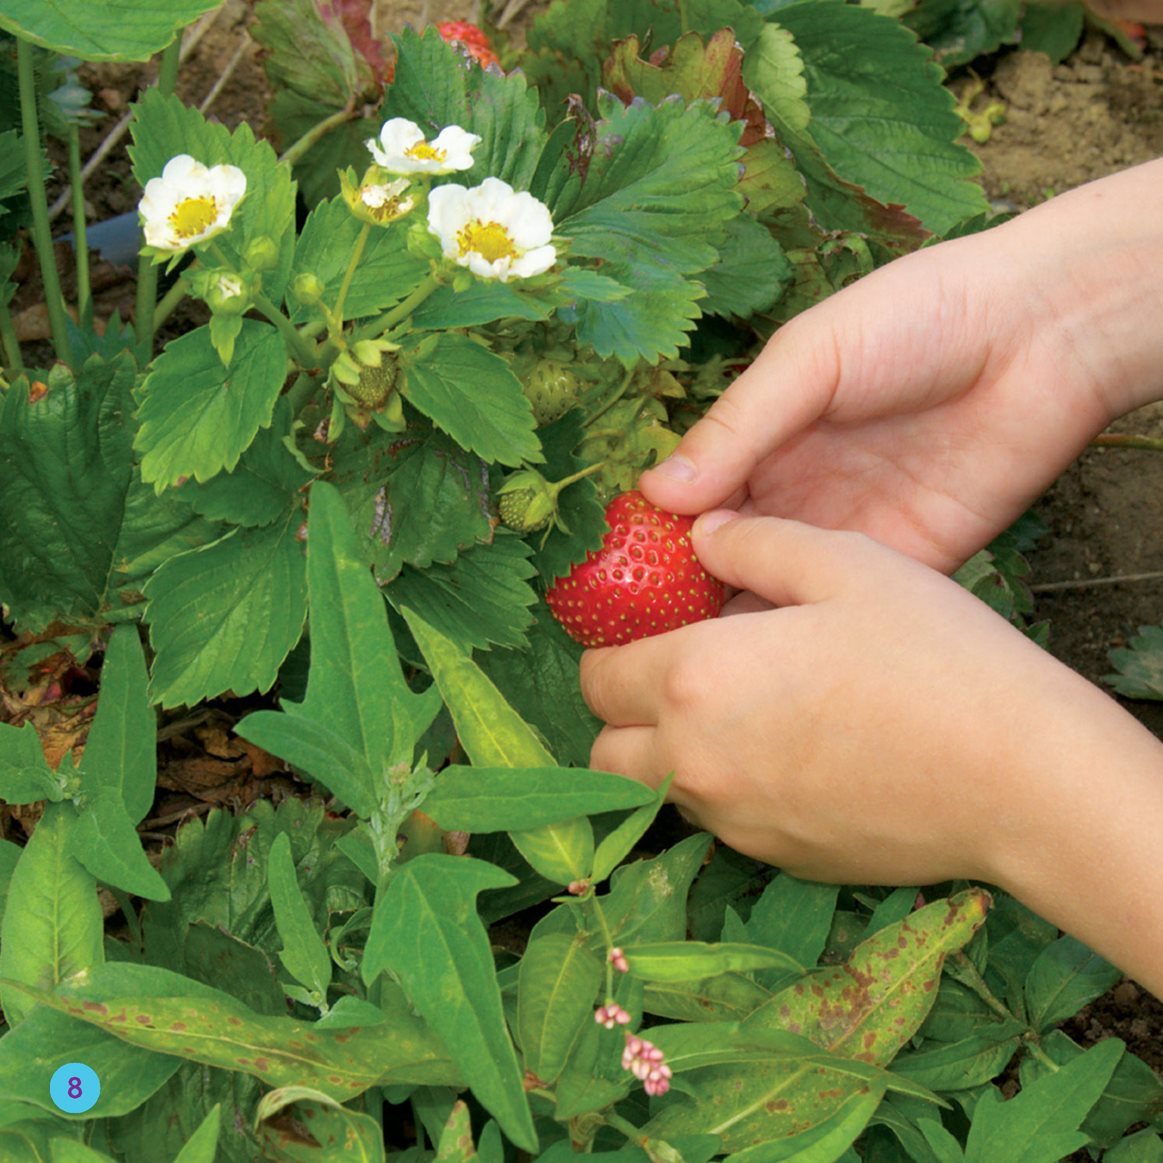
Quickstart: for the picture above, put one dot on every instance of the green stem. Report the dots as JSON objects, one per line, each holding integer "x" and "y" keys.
{"x": 294, "y": 152}
{"x": 169, "y": 301}
{"x": 147, "y": 271}
{"x": 337, "y": 311}
{"x": 304, "y": 352}
{"x": 625, "y": 1127}
{"x": 301, "y": 392}
{"x": 80, "y": 231}
{"x": 38, "y": 201}
{"x": 618, "y": 394}
{"x": 607, "y": 937}
{"x": 12, "y": 359}
{"x": 968, "y": 974}
{"x": 401, "y": 311}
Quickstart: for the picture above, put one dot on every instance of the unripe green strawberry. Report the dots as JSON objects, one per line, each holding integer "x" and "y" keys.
{"x": 552, "y": 388}
{"x": 644, "y": 580}
{"x": 520, "y": 511}
{"x": 374, "y": 385}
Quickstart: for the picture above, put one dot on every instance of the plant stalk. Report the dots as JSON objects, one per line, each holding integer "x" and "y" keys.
{"x": 80, "y": 227}
{"x": 147, "y": 272}
{"x": 304, "y": 352}
{"x": 401, "y": 311}
{"x": 348, "y": 276}
{"x": 38, "y": 201}
{"x": 296, "y": 150}
{"x": 12, "y": 358}
{"x": 1127, "y": 440}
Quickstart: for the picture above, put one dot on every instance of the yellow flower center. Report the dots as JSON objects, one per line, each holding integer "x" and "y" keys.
{"x": 423, "y": 152}
{"x": 490, "y": 240}
{"x": 194, "y": 216}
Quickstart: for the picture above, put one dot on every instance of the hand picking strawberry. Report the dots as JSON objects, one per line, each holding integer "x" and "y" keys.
{"x": 644, "y": 580}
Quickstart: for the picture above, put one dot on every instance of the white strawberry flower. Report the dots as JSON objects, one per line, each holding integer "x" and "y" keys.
{"x": 492, "y": 229}
{"x": 189, "y": 203}
{"x": 402, "y": 148}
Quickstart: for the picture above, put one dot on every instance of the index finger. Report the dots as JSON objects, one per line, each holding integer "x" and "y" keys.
{"x": 622, "y": 685}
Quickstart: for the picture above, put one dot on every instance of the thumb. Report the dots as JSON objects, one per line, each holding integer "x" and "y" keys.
{"x": 787, "y": 562}
{"x": 786, "y": 388}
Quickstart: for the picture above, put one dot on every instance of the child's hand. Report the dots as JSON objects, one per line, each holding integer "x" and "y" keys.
{"x": 930, "y": 402}
{"x": 875, "y": 724}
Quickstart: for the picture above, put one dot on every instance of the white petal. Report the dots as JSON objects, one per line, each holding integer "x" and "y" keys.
{"x": 535, "y": 262}
{"x": 457, "y": 145}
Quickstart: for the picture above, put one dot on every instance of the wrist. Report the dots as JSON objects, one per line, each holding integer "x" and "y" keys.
{"x": 1091, "y": 258}
{"x": 1082, "y": 844}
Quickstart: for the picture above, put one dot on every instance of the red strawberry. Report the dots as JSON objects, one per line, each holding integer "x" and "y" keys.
{"x": 470, "y": 39}
{"x": 644, "y": 580}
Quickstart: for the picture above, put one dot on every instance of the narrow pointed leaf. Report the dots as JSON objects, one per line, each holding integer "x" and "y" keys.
{"x": 557, "y": 988}
{"x": 104, "y": 840}
{"x": 163, "y": 1011}
{"x": 121, "y": 751}
{"x": 304, "y": 953}
{"x": 494, "y": 735}
{"x": 426, "y": 931}
{"x": 691, "y": 960}
{"x": 57, "y": 929}
{"x": 25, "y": 775}
{"x": 203, "y": 1143}
{"x": 500, "y": 799}
{"x": 337, "y": 1131}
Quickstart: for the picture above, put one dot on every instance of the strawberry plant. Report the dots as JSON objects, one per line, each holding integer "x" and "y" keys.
{"x": 446, "y": 313}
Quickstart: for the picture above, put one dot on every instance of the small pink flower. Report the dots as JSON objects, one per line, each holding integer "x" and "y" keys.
{"x": 611, "y": 1015}
{"x": 618, "y": 960}
{"x": 647, "y": 1063}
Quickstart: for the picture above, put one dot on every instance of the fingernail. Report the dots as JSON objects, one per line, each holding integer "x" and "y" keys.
{"x": 709, "y": 522}
{"x": 676, "y": 468}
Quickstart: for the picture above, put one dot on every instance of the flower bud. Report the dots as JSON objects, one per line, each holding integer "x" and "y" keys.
{"x": 307, "y": 288}
{"x": 261, "y": 253}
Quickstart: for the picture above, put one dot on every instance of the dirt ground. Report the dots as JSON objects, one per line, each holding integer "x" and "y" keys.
{"x": 1064, "y": 125}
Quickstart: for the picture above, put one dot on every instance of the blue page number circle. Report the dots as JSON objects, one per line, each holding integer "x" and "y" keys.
{"x": 74, "y": 1087}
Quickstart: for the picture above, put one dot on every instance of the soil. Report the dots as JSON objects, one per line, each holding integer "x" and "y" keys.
{"x": 1067, "y": 124}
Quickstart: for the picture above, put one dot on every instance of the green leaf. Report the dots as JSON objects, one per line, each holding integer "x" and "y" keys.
{"x": 1053, "y": 29}
{"x": 1139, "y": 665}
{"x": 163, "y": 125}
{"x": 619, "y": 842}
{"x": 104, "y": 840}
{"x": 752, "y": 271}
{"x": 121, "y": 751}
{"x": 356, "y": 684}
{"x": 902, "y": 147}
{"x": 456, "y": 1141}
{"x": 557, "y": 986}
{"x": 336, "y": 1132}
{"x": 541, "y": 682}
{"x": 1040, "y": 1124}
{"x": 660, "y": 187}
{"x": 494, "y": 735}
{"x": 303, "y": 954}
{"x": 153, "y": 1008}
{"x": 197, "y": 418}
{"x": 865, "y": 1009}
{"x": 1144, "y": 1147}
{"x": 427, "y": 933}
{"x": 482, "y": 301}
{"x": 57, "y": 930}
{"x": 481, "y": 599}
{"x": 225, "y": 616}
{"x": 482, "y": 799}
{"x": 972, "y": 1061}
{"x": 67, "y": 460}
{"x": 203, "y": 1144}
{"x": 102, "y": 31}
{"x": 692, "y": 960}
{"x": 25, "y": 776}
{"x": 1065, "y": 977}
{"x": 434, "y": 504}
{"x": 473, "y": 395}
{"x": 958, "y": 32}
{"x": 794, "y": 916}
{"x": 264, "y": 485}
{"x": 386, "y": 272}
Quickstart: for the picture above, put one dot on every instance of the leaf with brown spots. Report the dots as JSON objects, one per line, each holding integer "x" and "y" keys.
{"x": 456, "y": 1145}
{"x": 865, "y": 1010}
{"x": 166, "y": 1012}
{"x": 298, "y": 1123}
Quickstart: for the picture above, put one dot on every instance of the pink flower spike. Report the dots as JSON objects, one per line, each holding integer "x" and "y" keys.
{"x": 647, "y": 1063}
{"x": 611, "y": 1015}
{"x": 618, "y": 960}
